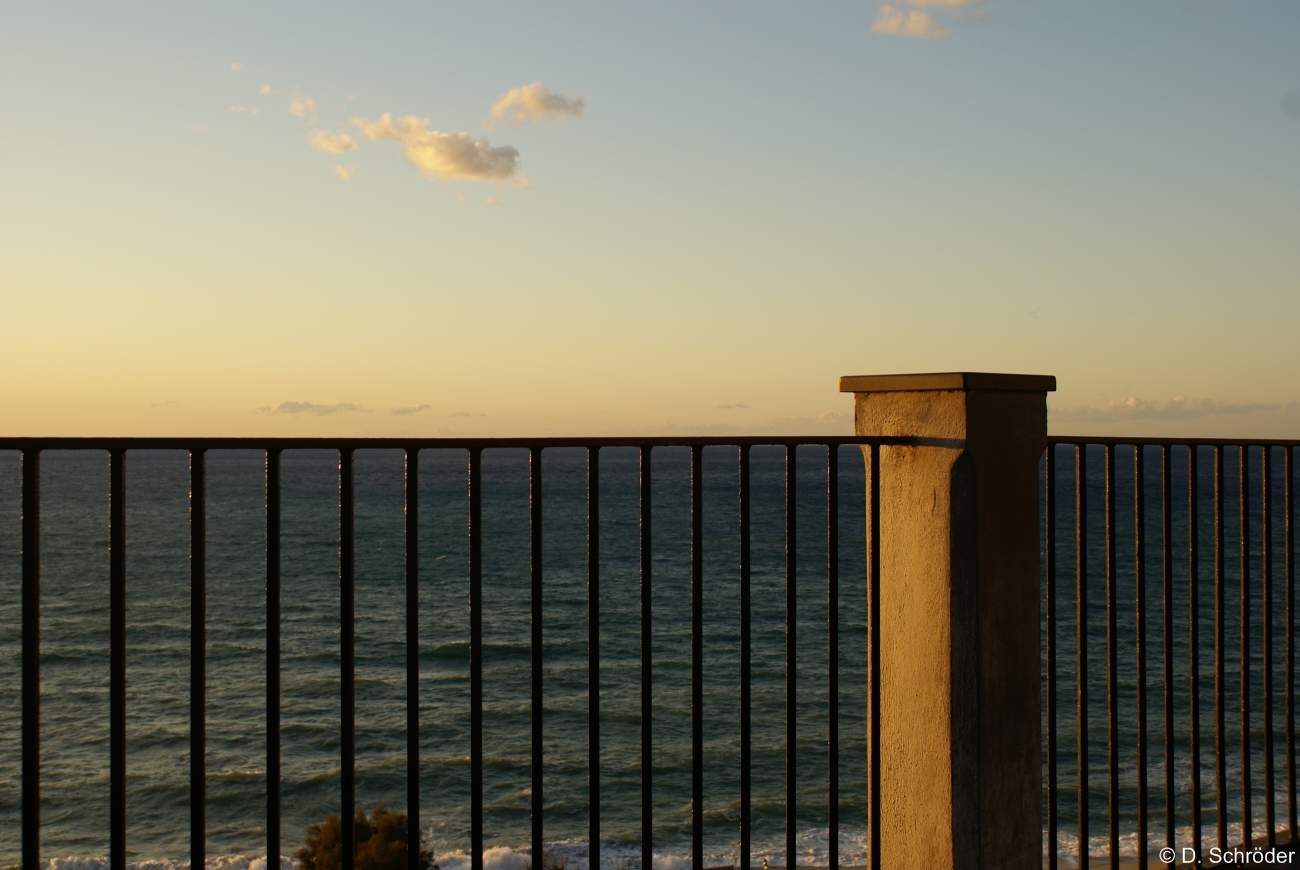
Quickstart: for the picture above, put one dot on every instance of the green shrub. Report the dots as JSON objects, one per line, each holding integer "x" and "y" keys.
{"x": 382, "y": 840}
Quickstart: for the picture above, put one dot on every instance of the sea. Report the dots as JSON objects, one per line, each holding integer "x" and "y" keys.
{"x": 75, "y": 736}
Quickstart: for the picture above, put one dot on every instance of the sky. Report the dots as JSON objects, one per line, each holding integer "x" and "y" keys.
{"x": 582, "y": 218}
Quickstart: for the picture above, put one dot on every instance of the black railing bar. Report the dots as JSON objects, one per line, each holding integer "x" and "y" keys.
{"x": 833, "y": 657}
{"x": 1243, "y": 496}
{"x": 1081, "y": 638}
{"x": 1290, "y": 542}
{"x": 411, "y": 547}
{"x": 198, "y": 659}
{"x": 476, "y": 656}
{"x": 697, "y": 658}
{"x": 791, "y": 672}
{"x": 535, "y": 658}
{"x": 1112, "y": 663}
{"x": 1167, "y": 614}
{"x": 1194, "y": 635}
{"x": 273, "y": 659}
{"x": 31, "y": 560}
{"x": 873, "y": 660}
{"x": 117, "y": 657}
{"x": 647, "y": 662}
{"x": 1140, "y": 617}
{"x": 347, "y": 657}
{"x": 746, "y": 781}
{"x": 593, "y": 657}
{"x": 1194, "y": 645}
{"x": 1266, "y": 521}
{"x": 1220, "y": 735}
{"x": 1288, "y": 495}
{"x": 255, "y": 443}
{"x": 1117, "y": 441}
{"x": 1049, "y": 596}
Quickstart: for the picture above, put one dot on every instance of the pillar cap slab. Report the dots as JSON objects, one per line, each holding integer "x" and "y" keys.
{"x": 946, "y": 381}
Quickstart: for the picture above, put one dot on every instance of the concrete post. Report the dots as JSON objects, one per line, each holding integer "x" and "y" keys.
{"x": 960, "y": 757}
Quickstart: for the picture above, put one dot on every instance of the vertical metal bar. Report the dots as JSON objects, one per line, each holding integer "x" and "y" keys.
{"x": 475, "y": 656}
{"x": 198, "y": 658}
{"x": 833, "y": 656}
{"x": 535, "y": 600}
{"x": 273, "y": 659}
{"x": 1081, "y": 636}
{"x": 1243, "y": 494}
{"x": 117, "y": 656}
{"x": 31, "y": 485}
{"x": 873, "y": 659}
{"x": 411, "y": 494}
{"x": 1266, "y": 521}
{"x": 1140, "y": 617}
{"x": 593, "y": 657}
{"x": 791, "y": 672}
{"x": 697, "y": 657}
{"x": 1194, "y": 635}
{"x": 1167, "y": 611}
{"x": 647, "y": 670}
{"x": 347, "y": 657}
{"x": 746, "y": 780}
{"x": 1049, "y": 597}
{"x": 1220, "y": 736}
{"x": 1112, "y": 664}
{"x": 1288, "y": 496}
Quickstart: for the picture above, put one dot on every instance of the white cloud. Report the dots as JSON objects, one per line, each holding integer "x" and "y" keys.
{"x": 493, "y": 202}
{"x": 236, "y": 67}
{"x": 414, "y": 409}
{"x": 914, "y": 23}
{"x": 331, "y": 143}
{"x": 300, "y": 105}
{"x": 534, "y": 104}
{"x": 242, "y": 109}
{"x": 1177, "y": 408}
{"x": 446, "y": 155}
{"x": 264, "y": 90}
{"x": 345, "y": 172}
{"x": 310, "y": 408}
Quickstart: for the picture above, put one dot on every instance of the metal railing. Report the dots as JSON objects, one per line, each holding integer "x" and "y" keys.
{"x": 1189, "y": 481}
{"x": 117, "y": 449}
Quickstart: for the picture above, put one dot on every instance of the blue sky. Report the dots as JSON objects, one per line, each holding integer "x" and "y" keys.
{"x": 733, "y": 205}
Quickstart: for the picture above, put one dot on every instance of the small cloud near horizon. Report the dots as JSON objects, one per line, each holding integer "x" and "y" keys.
{"x": 236, "y": 67}
{"x": 464, "y": 414}
{"x": 1177, "y": 408}
{"x": 533, "y": 104}
{"x": 448, "y": 156}
{"x": 892, "y": 21}
{"x": 242, "y": 109}
{"x": 301, "y": 106}
{"x": 414, "y": 409}
{"x": 732, "y": 407}
{"x": 310, "y": 408}
{"x": 331, "y": 143}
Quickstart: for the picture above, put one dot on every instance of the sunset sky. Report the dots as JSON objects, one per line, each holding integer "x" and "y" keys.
{"x": 653, "y": 218}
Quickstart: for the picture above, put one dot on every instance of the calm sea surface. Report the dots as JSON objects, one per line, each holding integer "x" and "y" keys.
{"x": 75, "y": 650}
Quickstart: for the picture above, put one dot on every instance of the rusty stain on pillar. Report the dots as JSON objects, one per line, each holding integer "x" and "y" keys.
{"x": 960, "y": 746}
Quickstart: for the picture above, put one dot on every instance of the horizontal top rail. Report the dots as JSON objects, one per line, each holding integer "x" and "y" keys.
{"x": 181, "y": 443}
{"x": 1170, "y": 442}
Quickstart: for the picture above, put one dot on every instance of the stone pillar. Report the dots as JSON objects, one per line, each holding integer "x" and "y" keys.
{"x": 960, "y": 752}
